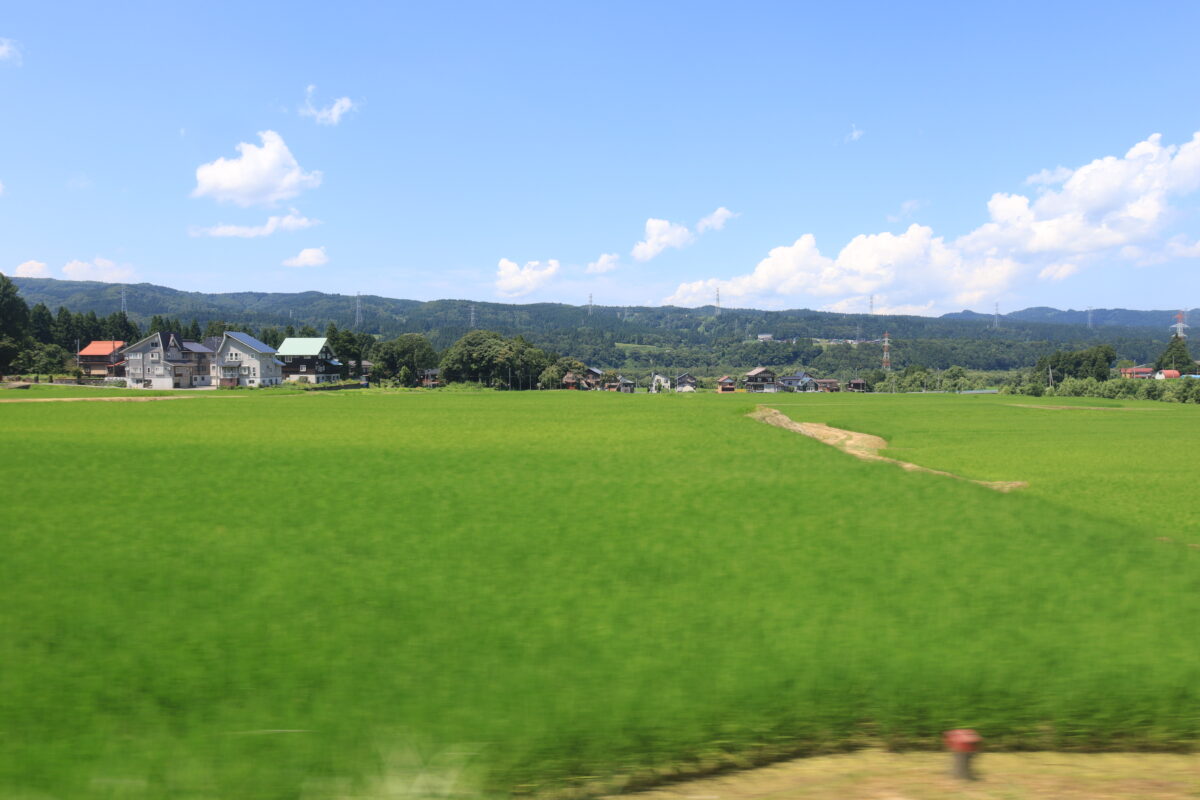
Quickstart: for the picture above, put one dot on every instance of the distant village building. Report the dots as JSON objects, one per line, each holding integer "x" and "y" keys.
{"x": 685, "y": 383}
{"x": 798, "y": 382}
{"x": 242, "y": 360}
{"x": 309, "y": 360}
{"x": 659, "y": 383}
{"x": 1166, "y": 374}
{"x": 766, "y": 337}
{"x": 431, "y": 378}
{"x": 1137, "y": 372}
{"x": 625, "y": 385}
{"x": 761, "y": 379}
{"x": 828, "y": 385}
{"x": 165, "y": 360}
{"x": 857, "y": 385}
{"x": 726, "y": 385}
{"x": 102, "y": 359}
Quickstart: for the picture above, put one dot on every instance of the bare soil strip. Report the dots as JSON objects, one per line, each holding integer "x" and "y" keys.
{"x": 863, "y": 446}
{"x": 880, "y": 775}
{"x": 97, "y": 399}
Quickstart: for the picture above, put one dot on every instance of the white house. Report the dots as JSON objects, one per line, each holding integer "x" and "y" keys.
{"x": 242, "y": 360}
{"x": 165, "y": 360}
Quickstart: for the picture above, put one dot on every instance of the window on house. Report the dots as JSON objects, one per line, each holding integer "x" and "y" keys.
{"x": 303, "y": 367}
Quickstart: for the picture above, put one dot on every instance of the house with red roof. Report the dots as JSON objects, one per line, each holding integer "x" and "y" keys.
{"x": 1166, "y": 374}
{"x": 102, "y": 359}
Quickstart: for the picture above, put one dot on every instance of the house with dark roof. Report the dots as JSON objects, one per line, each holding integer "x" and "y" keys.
{"x": 165, "y": 360}
{"x": 102, "y": 359}
{"x": 431, "y": 378}
{"x": 828, "y": 385}
{"x": 761, "y": 379}
{"x": 308, "y": 360}
{"x": 857, "y": 385}
{"x": 798, "y": 382}
{"x": 685, "y": 383}
{"x": 242, "y": 360}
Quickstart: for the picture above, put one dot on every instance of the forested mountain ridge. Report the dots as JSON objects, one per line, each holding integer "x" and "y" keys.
{"x": 665, "y": 336}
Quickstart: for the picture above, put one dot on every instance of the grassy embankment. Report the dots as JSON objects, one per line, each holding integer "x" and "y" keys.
{"x": 271, "y": 597}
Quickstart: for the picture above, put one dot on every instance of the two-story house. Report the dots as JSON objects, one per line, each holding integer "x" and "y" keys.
{"x": 102, "y": 359}
{"x": 165, "y": 360}
{"x": 761, "y": 379}
{"x": 242, "y": 360}
{"x": 309, "y": 360}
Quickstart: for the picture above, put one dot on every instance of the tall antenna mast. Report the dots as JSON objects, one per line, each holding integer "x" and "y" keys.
{"x": 357, "y": 310}
{"x": 472, "y": 323}
{"x": 124, "y": 309}
{"x": 1180, "y": 324}
{"x": 887, "y": 352}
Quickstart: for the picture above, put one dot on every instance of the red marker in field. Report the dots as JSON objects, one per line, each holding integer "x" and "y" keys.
{"x": 962, "y": 743}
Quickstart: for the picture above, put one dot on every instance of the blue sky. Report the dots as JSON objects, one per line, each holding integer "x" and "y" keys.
{"x": 934, "y": 156}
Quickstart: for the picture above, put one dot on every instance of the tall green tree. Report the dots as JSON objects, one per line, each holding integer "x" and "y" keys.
{"x": 411, "y": 350}
{"x": 41, "y": 324}
{"x": 1176, "y": 356}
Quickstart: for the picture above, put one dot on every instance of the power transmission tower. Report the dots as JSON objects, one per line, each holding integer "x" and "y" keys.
{"x": 1090, "y": 318}
{"x": 887, "y": 352}
{"x": 872, "y": 311}
{"x": 357, "y": 311}
{"x": 718, "y": 301}
{"x": 996, "y": 318}
{"x": 124, "y": 308}
{"x": 472, "y": 323}
{"x": 589, "y": 304}
{"x": 1180, "y": 324}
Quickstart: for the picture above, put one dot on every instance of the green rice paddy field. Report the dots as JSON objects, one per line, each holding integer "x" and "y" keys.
{"x": 363, "y": 594}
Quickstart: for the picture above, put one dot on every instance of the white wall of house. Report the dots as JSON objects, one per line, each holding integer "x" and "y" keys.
{"x": 235, "y": 360}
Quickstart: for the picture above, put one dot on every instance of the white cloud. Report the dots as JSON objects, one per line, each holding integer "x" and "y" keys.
{"x": 855, "y": 133}
{"x": 98, "y": 269}
{"x": 715, "y": 221}
{"x": 907, "y": 209}
{"x": 308, "y": 257}
{"x": 514, "y": 281}
{"x": 258, "y": 176}
{"x": 331, "y": 114}
{"x": 32, "y": 269}
{"x": 1049, "y": 177}
{"x": 1058, "y": 271}
{"x": 607, "y": 262}
{"x": 661, "y": 234}
{"x": 1, "y": 187}
{"x": 1112, "y": 209}
{"x": 10, "y": 52}
{"x": 292, "y": 221}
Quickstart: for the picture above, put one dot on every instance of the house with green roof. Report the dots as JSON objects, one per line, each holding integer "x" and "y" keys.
{"x": 309, "y": 359}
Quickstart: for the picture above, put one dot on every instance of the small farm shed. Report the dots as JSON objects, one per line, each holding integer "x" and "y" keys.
{"x": 624, "y": 385}
{"x": 685, "y": 383}
{"x": 856, "y": 385}
{"x": 1166, "y": 374}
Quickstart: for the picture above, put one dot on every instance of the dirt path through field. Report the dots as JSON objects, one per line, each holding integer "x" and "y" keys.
{"x": 880, "y": 775}
{"x": 862, "y": 445}
{"x": 99, "y": 399}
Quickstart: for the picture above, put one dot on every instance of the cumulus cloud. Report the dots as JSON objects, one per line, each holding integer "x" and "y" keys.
{"x": 1048, "y": 177}
{"x": 292, "y": 221}
{"x": 330, "y": 114}
{"x": 32, "y": 269}
{"x": 607, "y": 262}
{"x": 1112, "y": 209}
{"x": 715, "y": 221}
{"x": 308, "y": 257}
{"x": 513, "y": 280}
{"x": 10, "y": 52}
{"x": 260, "y": 175}
{"x": 855, "y": 133}
{"x": 98, "y": 269}
{"x": 661, "y": 234}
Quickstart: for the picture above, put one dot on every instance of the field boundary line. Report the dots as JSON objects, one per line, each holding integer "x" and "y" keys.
{"x": 103, "y": 399}
{"x": 863, "y": 446}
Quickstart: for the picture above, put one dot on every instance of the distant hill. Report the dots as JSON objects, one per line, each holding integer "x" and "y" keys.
{"x": 663, "y": 335}
{"x": 1121, "y": 317}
